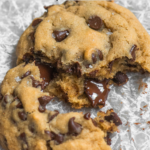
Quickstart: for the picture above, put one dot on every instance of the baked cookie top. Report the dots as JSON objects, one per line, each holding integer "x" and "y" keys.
{"x": 96, "y": 39}
{"x": 26, "y": 123}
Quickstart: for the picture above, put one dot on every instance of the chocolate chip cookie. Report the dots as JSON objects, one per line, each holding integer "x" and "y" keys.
{"x": 89, "y": 46}
{"x": 26, "y": 124}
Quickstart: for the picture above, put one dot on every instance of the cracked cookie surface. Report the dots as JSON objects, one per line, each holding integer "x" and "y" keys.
{"x": 27, "y": 124}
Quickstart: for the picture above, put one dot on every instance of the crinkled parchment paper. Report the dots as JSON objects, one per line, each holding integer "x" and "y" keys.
{"x": 130, "y": 101}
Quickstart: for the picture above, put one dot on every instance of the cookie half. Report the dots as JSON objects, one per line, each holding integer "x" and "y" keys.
{"x": 90, "y": 45}
{"x": 26, "y": 123}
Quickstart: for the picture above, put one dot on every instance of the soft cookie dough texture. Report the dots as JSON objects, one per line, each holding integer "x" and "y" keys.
{"x": 26, "y": 124}
{"x": 86, "y": 42}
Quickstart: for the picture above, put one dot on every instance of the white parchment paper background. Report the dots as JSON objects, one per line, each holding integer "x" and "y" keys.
{"x": 130, "y": 101}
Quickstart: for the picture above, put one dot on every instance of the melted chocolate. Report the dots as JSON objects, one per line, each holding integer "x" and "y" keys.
{"x": 96, "y": 91}
{"x": 87, "y": 116}
{"x": 74, "y": 128}
{"x": 46, "y": 72}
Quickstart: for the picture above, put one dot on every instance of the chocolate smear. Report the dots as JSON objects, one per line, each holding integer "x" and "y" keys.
{"x": 96, "y": 91}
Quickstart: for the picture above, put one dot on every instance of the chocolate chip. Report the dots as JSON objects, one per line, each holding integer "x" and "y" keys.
{"x": 23, "y": 138}
{"x": 60, "y": 35}
{"x": 1, "y": 96}
{"x": 27, "y": 58}
{"x": 46, "y": 7}
{"x": 75, "y": 69}
{"x": 32, "y": 36}
{"x": 36, "y": 22}
{"x": 114, "y": 118}
{"x": 132, "y": 51}
{"x": 95, "y": 22}
{"x": 94, "y": 122}
{"x": 46, "y": 72}
{"x": 87, "y": 116}
{"x": 22, "y": 115}
{"x": 43, "y": 102}
{"x": 53, "y": 116}
{"x": 94, "y": 58}
{"x": 96, "y": 91}
{"x": 107, "y": 138}
{"x": 26, "y": 74}
{"x": 100, "y": 54}
{"x": 58, "y": 138}
{"x": 120, "y": 78}
{"x": 110, "y": 65}
{"x": 73, "y": 127}
{"x": 36, "y": 83}
{"x": 32, "y": 129}
{"x": 19, "y": 105}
